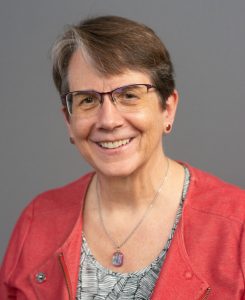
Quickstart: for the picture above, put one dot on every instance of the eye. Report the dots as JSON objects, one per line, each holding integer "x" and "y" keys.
{"x": 85, "y": 100}
{"x": 128, "y": 94}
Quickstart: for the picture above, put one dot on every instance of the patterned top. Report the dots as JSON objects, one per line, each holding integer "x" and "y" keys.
{"x": 96, "y": 282}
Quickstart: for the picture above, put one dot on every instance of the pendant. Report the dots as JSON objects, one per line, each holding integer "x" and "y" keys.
{"x": 117, "y": 258}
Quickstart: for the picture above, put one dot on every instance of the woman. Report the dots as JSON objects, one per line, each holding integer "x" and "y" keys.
{"x": 141, "y": 226}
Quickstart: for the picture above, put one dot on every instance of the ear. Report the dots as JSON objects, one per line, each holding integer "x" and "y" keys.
{"x": 170, "y": 109}
{"x": 67, "y": 120}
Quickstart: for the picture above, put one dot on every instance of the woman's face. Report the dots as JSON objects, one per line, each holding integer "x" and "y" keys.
{"x": 117, "y": 143}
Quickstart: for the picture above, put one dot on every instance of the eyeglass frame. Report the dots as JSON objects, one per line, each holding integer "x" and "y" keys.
{"x": 64, "y": 100}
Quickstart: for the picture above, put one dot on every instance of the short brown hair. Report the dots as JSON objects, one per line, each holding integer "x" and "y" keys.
{"x": 114, "y": 45}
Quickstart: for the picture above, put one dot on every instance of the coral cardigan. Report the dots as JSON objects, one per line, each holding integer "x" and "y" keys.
{"x": 206, "y": 259}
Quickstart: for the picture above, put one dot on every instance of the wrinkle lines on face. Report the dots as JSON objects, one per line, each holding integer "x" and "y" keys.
{"x": 116, "y": 143}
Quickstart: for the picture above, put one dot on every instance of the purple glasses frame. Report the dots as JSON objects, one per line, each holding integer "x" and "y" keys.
{"x": 101, "y": 95}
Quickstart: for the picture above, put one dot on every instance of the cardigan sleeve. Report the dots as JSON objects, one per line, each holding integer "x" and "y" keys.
{"x": 13, "y": 253}
{"x": 242, "y": 256}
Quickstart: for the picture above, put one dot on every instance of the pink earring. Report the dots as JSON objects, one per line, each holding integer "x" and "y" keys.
{"x": 72, "y": 141}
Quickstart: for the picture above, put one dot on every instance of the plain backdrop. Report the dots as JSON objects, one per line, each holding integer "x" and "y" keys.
{"x": 206, "y": 39}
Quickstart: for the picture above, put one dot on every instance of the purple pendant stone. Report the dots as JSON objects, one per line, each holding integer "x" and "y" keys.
{"x": 117, "y": 259}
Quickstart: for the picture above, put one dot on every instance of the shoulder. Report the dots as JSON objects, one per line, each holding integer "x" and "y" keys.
{"x": 213, "y": 229}
{"x": 62, "y": 202}
{"x": 60, "y": 207}
{"x": 211, "y": 194}
{"x": 64, "y": 197}
{"x": 44, "y": 224}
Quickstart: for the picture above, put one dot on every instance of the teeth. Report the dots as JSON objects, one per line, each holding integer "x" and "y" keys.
{"x": 113, "y": 145}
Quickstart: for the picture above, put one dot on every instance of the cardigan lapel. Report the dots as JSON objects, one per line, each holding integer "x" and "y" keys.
{"x": 178, "y": 280}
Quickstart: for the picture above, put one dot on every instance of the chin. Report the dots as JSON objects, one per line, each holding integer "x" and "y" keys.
{"x": 119, "y": 169}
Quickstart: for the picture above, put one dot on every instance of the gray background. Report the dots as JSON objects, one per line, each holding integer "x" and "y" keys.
{"x": 207, "y": 41}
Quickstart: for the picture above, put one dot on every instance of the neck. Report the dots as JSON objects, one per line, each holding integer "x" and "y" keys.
{"x": 135, "y": 190}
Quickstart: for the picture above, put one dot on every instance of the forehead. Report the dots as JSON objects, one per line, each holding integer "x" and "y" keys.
{"x": 82, "y": 74}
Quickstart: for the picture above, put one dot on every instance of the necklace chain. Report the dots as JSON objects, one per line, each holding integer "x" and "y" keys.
{"x": 148, "y": 209}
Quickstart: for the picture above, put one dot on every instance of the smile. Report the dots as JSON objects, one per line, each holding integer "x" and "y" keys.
{"x": 115, "y": 144}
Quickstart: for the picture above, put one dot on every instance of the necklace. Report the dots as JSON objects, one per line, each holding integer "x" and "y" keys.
{"x": 118, "y": 256}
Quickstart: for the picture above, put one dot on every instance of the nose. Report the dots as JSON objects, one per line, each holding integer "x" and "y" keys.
{"x": 108, "y": 117}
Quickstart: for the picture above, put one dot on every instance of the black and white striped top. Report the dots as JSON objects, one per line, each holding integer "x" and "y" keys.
{"x": 97, "y": 283}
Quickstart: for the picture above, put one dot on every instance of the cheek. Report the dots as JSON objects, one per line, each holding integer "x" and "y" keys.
{"x": 149, "y": 121}
{"x": 80, "y": 128}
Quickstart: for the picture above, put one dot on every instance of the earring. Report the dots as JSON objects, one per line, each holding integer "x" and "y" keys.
{"x": 71, "y": 140}
{"x": 168, "y": 128}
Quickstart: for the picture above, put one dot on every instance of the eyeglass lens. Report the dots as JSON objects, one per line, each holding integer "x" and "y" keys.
{"x": 127, "y": 98}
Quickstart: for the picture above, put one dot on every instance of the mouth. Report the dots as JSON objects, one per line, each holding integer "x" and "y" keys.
{"x": 114, "y": 144}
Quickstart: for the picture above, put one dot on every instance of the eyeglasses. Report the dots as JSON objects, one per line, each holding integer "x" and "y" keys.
{"x": 127, "y": 98}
